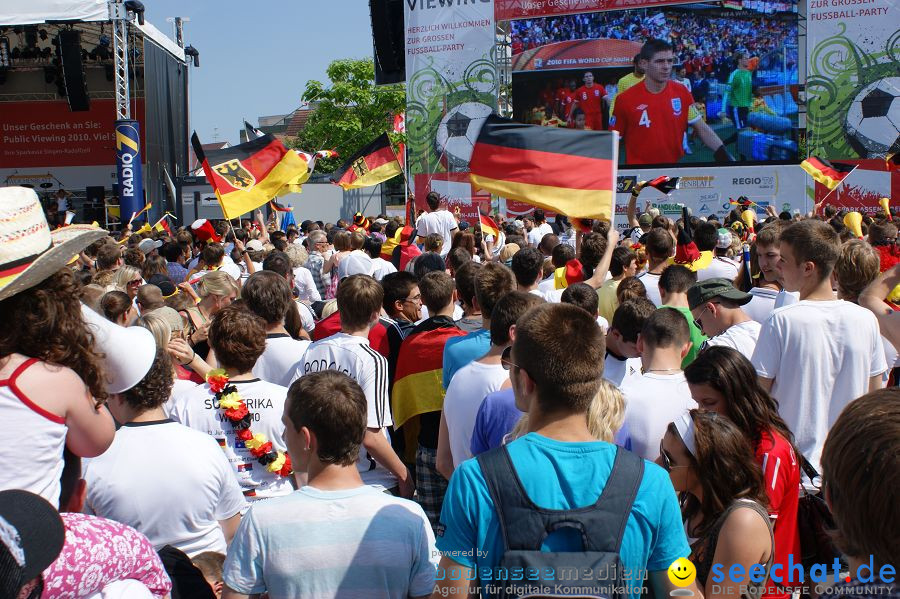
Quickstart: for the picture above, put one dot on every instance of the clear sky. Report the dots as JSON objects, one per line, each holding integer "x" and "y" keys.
{"x": 256, "y": 55}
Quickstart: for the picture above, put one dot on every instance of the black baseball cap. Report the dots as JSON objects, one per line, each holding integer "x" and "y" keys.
{"x": 702, "y": 292}
{"x": 31, "y": 536}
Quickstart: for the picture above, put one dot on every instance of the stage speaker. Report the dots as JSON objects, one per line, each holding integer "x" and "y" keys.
{"x": 93, "y": 207}
{"x": 94, "y": 194}
{"x": 387, "y": 37}
{"x": 73, "y": 70}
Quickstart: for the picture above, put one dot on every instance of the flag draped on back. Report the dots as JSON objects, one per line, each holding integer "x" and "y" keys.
{"x": 248, "y": 175}
{"x": 569, "y": 171}
{"x": 370, "y": 166}
{"x": 828, "y": 174}
{"x": 417, "y": 381}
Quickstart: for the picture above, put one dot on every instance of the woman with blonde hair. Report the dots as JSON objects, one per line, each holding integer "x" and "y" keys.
{"x": 216, "y": 289}
{"x": 167, "y": 328}
{"x": 605, "y": 417}
{"x": 127, "y": 280}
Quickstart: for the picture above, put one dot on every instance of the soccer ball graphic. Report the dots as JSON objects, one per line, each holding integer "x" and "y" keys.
{"x": 873, "y": 119}
{"x": 458, "y": 131}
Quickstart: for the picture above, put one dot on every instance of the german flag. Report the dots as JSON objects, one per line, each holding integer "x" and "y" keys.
{"x": 664, "y": 184}
{"x": 370, "y": 166}
{"x": 569, "y": 171}
{"x": 417, "y": 381}
{"x": 489, "y": 227}
{"x": 828, "y": 174}
{"x": 248, "y": 175}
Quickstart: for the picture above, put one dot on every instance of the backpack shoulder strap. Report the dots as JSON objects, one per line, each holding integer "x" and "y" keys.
{"x": 514, "y": 508}
{"x": 613, "y": 507}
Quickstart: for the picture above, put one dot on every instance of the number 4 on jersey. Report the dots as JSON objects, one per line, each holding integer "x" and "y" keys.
{"x": 645, "y": 120}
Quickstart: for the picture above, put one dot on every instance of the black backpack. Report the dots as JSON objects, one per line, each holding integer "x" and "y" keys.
{"x": 526, "y": 571}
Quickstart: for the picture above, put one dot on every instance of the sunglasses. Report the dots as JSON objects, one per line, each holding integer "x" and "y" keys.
{"x": 135, "y": 283}
{"x": 505, "y": 359}
{"x": 666, "y": 459}
{"x": 702, "y": 312}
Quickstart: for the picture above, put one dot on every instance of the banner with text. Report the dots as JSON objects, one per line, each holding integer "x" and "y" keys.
{"x": 506, "y": 10}
{"x": 48, "y": 134}
{"x": 853, "y": 82}
{"x": 451, "y": 87}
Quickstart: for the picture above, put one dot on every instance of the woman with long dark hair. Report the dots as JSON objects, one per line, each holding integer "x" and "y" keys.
{"x": 722, "y": 380}
{"x": 724, "y": 502}
{"x": 52, "y": 386}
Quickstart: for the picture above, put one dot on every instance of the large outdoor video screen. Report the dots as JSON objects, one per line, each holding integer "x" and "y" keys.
{"x": 727, "y": 90}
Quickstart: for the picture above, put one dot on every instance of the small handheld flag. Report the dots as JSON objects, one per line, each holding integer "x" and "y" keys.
{"x": 489, "y": 227}
{"x": 828, "y": 174}
{"x": 370, "y": 166}
{"x": 664, "y": 184}
{"x": 140, "y": 212}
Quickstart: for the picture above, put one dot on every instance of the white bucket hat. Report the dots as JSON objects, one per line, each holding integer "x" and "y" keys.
{"x": 28, "y": 252}
{"x": 128, "y": 352}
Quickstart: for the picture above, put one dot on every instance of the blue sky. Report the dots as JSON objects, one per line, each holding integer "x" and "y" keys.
{"x": 256, "y": 55}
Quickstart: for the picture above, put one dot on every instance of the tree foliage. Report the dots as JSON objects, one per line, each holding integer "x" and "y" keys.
{"x": 350, "y": 112}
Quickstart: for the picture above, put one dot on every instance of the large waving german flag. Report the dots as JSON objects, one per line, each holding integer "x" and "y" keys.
{"x": 417, "y": 381}
{"x": 370, "y": 166}
{"x": 248, "y": 175}
{"x": 569, "y": 171}
{"x": 828, "y": 174}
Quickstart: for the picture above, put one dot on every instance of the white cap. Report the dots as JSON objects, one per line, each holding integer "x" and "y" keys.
{"x": 254, "y": 245}
{"x": 148, "y": 245}
{"x": 128, "y": 353}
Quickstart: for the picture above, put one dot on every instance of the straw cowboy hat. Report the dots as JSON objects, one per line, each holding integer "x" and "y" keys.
{"x": 28, "y": 252}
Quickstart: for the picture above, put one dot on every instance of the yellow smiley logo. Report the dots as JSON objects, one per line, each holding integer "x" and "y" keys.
{"x": 682, "y": 572}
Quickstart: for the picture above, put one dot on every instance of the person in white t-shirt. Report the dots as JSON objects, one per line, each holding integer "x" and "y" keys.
{"x": 337, "y": 536}
{"x": 268, "y": 296}
{"x": 357, "y": 262}
{"x": 540, "y": 228}
{"x": 237, "y": 337}
{"x": 819, "y": 354}
{"x": 171, "y": 483}
{"x": 380, "y": 266}
{"x": 359, "y": 299}
{"x": 623, "y": 360}
{"x": 722, "y": 266}
{"x": 438, "y": 221}
{"x": 716, "y": 307}
{"x": 473, "y": 382}
{"x": 661, "y": 394}
{"x": 660, "y": 247}
{"x": 528, "y": 267}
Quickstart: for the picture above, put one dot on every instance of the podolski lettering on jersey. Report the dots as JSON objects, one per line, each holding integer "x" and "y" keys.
{"x": 235, "y": 173}
{"x": 676, "y": 106}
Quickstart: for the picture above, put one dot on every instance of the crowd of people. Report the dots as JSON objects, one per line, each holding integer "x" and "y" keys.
{"x": 704, "y": 41}
{"x": 376, "y": 408}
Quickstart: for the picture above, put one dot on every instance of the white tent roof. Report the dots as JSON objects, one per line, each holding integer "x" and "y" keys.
{"x": 26, "y": 12}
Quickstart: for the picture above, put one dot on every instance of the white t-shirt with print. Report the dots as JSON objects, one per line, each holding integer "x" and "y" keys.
{"x": 821, "y": 355}
{"x": 652, "y": 401}
{"x": 440, "y": 222}
{"x": 619, "y": 372}
{"x": 278, "y": 362}
{"x": 170, "y": 482}
{"x": 354, "y": 357}
{"x": 651, "y": 284}
{"x": 199, "y": 410}
{"x": 742, "y": 337}
{"x": 467, "y": 389}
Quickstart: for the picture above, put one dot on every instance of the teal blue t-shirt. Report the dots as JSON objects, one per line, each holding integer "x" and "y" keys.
{"x": 459, "y": 351}
{"x": 558, "y": 475}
